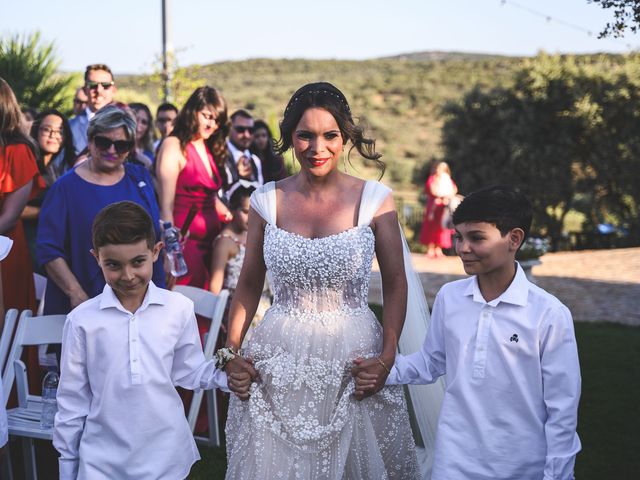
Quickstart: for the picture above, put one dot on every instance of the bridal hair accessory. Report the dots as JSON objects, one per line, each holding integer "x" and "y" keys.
{"x": 340, "y": 98}
{"x": 223, "y": 356}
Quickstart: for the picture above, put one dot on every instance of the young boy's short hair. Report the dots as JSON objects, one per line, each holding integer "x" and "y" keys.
{"x": 122, "y": 223}
{"x": 503, "y": 206}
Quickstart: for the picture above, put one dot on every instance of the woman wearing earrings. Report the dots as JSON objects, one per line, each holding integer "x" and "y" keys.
{"x": 296, "y": 413}
{"x": 188, "y": 170}
{"x": 63, "y": 245}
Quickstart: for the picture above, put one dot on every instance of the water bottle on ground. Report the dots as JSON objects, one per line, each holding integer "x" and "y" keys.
{"x": 49, "y": 403}
{"x": 171, "y": 239}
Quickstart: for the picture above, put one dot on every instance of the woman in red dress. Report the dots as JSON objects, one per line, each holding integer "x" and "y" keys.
{"x": 188, "y": 168}
{"x": 440, "y": 190}
{"x": 18, "y": 169}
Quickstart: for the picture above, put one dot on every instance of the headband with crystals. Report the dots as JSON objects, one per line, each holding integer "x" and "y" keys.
{"x": 317, "y": 92}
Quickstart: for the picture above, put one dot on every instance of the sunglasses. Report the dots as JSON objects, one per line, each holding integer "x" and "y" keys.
{"x": 121, "y": 146}
{"x": 164, "y": 120}
{"x": 243, "y": 129}
{"x": 105, "y": 85}
{"x": 79, "y": 102}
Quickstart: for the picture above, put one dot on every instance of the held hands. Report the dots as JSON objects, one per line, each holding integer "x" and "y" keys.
{"x": 370, "y": 375}
{"x": 240, "y": 375}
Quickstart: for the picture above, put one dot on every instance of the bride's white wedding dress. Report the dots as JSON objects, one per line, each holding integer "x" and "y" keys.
{"x": 302, "y": 420}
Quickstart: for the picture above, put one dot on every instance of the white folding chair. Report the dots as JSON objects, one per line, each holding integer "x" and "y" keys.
{"x": 208, "y": 305}
{"x": 24, "y": 421}
{"x": 40, "y": 283}
{"x": 10, "y": 320}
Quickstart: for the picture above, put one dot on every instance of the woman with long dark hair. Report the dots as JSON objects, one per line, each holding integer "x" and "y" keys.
{"x": 18, "y": 169}
{"x": 316, "y": 233}
{"x": 144, "y": 129}
{"x": 263, "y": 146}
{"x": 56, "y": 155}
{"x": 188, "y": 166}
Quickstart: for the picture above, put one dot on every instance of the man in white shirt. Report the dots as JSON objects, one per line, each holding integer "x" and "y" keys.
{"x": 509, "y": 352}
{"x": 100, "y": 89}
{"x": 240, "y": 163}
{"x": 123, "y": 353}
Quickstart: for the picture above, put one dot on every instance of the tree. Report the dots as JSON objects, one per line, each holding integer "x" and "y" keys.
{"x": 626, "y": 15}
{"x": 563, "y": 132}
{"x": 31, "y": 69}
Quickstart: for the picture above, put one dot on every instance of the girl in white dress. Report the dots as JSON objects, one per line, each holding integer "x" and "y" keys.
{"x": 317, "y": 233}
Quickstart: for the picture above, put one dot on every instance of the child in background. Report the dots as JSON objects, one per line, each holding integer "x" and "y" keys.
{"x": 123, "y": 352}
{"x": 229, "y": 249}
{"x": 508, "y": 349}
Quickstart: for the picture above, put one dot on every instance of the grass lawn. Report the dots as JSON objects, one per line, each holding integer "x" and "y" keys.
{"x": 609, "y": 421}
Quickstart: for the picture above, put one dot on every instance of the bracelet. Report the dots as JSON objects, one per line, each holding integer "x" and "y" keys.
{"x": 383, "y": 365}
{"x": 223, "y": 356}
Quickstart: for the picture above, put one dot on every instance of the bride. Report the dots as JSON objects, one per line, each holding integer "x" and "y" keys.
{"x": 316, "y": 233}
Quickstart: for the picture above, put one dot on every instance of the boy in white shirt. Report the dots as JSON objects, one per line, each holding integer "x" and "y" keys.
{"x": 123, "y": 353}
{"x": 509, "y": 352}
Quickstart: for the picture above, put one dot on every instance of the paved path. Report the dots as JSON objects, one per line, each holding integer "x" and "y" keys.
{"x": 596, "y": 285}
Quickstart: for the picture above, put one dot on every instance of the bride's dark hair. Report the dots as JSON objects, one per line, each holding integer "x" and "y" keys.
{"x": 326, "y": 96}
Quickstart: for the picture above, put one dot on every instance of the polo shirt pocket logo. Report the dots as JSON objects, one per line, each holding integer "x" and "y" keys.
{"x": 514, "y": 338}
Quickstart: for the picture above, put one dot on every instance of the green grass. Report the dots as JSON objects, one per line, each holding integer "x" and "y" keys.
{"x": 609, "y": 417}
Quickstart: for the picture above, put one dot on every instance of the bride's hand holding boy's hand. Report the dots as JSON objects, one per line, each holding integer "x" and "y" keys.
{"x": 240, "y": 374}
{"x": 369, "y": 375}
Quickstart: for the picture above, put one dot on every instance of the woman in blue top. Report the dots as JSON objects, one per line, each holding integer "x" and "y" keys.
{"x": 64, "y": 243}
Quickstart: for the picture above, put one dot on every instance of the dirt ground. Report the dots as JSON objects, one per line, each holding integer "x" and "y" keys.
{"x": 596, "y": 285}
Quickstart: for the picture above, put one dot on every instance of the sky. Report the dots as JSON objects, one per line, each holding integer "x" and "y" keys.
{"x": 126, "y": 34}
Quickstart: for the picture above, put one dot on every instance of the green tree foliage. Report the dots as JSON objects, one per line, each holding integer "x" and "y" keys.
{"x": 31, "y": 69}
{"x": 626, "y": 14}
{"x": 565, "y": 132}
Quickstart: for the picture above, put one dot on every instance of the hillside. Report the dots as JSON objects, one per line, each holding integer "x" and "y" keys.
{"x": 398, "y": 98}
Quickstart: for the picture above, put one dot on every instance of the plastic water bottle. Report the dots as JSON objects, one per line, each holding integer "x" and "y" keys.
{"x": 49, "y": 403}
{"x": 171, "y": 239}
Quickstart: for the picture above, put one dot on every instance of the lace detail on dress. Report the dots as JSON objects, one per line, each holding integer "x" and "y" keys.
{"x": 302, "y": 420}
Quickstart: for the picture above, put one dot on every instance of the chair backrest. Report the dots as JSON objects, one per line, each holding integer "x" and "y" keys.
{"x": 10, "y": 320}
{"x": 211, "y": 306}
{"x": 40, "y": 283}
{"x": 31, "y": 331}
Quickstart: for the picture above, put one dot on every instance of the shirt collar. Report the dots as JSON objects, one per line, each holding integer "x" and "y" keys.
{"x": 516, "y": 294}
{"x": 154, "y": 295}
{"x": 90, "y": 113}
{"x": 236, "y": 152}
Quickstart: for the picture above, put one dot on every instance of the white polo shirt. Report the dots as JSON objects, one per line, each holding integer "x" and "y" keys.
{"x": 513, "y": 383}
{"x": 119, "y": 414}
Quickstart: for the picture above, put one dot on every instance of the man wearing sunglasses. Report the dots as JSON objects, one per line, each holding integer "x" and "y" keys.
{"x": 100, "y": 89}
{"x": 241, "y": 164}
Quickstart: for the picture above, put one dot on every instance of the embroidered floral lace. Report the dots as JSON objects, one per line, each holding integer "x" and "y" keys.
{"x": 302, "y": 421}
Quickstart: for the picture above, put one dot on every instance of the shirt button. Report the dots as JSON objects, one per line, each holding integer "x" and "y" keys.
{"x": 134, "y": 340}
{"x": 135, "y": 360}
{"x": 481, "y": 348}
{"x": 133, "y": 319}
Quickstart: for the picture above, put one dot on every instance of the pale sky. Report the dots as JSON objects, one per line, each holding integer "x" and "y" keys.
{"x": 126, "y": 34}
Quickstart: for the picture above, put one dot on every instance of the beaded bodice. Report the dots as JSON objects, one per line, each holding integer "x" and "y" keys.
{"x": 319, "y": 275}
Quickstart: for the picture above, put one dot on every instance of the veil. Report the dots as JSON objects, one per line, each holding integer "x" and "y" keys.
{"x": 425, "y": 400}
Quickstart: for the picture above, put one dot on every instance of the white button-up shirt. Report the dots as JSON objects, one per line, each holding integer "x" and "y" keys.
{"x": 119, "y": 414}
{"x": 513, "y": 383}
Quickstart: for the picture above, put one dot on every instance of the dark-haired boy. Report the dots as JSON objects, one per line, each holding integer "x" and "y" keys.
{"x": 509, "y": 352}
{"x": 123, "y": 352}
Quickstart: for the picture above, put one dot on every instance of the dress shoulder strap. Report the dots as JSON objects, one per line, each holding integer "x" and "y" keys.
{"x": 263, "y": 201}
{"x": 373, "y": 194}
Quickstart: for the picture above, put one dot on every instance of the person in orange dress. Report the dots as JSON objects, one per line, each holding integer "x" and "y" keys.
{"x": 18, "y": 169}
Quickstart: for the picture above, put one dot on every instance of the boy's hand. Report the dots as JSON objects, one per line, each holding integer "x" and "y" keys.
{"x": 369, "y": 376}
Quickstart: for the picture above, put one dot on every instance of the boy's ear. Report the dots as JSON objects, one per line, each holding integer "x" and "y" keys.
{"x": 95, "y": 255}
{"x": 516, "y": 236}
{"x": 156, "y": 250}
